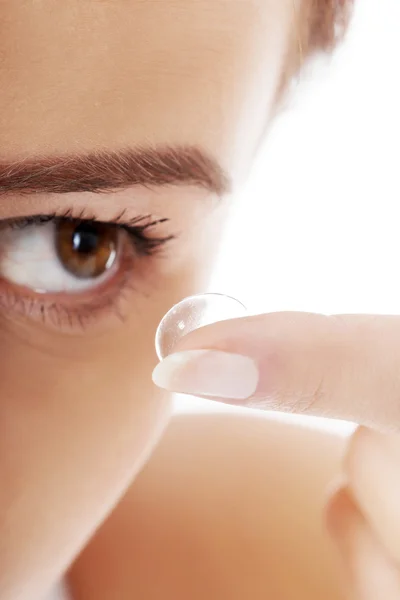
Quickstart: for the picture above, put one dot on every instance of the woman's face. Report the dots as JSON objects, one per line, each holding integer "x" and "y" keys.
{"x": 145, "y": 113}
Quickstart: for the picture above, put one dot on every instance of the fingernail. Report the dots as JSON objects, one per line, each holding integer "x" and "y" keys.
{"x": 208, "y": 373}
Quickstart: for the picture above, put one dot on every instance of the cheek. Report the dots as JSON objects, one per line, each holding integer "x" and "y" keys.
{"x": 77, "y": 420}
{"x": 88, "y": 393}
{"x": 78, "y": 407}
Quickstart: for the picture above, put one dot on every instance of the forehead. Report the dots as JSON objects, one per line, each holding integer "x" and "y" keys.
{"x": 81, "y": 74}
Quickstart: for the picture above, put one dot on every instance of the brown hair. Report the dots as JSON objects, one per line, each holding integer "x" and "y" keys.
{"x": 324, "y": 24}
{"x": 318, "y": 26}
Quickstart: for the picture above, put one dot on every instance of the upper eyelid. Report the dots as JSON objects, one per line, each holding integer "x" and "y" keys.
{"x": 141, "y": 222}
{"x": 135, "y": 227}
{"x": 178, "y": 205}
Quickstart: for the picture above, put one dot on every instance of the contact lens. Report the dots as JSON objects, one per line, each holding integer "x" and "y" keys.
{"x": 190, "y": 314}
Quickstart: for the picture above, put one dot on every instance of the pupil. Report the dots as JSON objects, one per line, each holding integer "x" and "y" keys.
{"x": 85, "y": 239}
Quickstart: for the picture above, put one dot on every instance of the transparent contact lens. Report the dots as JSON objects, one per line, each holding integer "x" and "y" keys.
{"x": 190, "y": 314}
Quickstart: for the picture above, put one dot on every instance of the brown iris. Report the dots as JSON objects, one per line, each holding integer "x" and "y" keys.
{"x": 85, "y": 249}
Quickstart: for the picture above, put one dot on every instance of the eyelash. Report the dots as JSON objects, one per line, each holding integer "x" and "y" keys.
{"x": 60, "y": 313}
{"x": 135, "y": 227}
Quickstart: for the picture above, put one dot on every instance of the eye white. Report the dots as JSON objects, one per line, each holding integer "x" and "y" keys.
{"x": 28, "y": 257}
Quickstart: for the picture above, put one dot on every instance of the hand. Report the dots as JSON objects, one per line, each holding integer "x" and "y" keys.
{"x": 343, "y": 366}
{"x": 364, "y": 520}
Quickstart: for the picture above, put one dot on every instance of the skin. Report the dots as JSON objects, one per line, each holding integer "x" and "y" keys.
{"x": 81, "y": 422}
{"x": 187, "y": 528}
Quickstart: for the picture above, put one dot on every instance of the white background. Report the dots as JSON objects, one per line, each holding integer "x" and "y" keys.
{"x": 318, "y": 227}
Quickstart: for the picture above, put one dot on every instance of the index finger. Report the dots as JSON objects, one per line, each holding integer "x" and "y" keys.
{"x": 340, "y": 366}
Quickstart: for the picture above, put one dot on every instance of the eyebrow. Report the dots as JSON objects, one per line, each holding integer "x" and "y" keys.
{"x": 107, "y": 171}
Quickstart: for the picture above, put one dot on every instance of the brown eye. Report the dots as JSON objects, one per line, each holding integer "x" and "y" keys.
{"x": 86, "y": 250}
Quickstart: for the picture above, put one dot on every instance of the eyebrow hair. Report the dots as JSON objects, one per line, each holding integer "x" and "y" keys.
{"x": 111, "y": 170}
